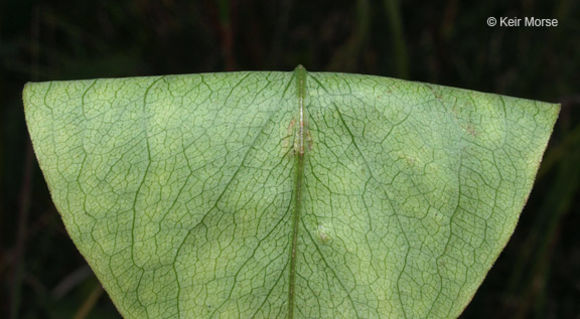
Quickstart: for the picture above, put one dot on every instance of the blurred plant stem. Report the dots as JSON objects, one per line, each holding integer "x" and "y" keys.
{"x": 90, "y": 302}
{"x": 18, "y": 265}
{"x": 280, "y": 32}
{"x": 20, "y": 249}
{"x": 227, "y": 36}
{"x": 400, "y": 49}
{"x": 346, "y": 57}
{"x": 71, "y": 281}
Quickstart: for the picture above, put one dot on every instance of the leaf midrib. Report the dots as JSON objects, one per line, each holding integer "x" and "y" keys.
{"x": 299, "y": 150}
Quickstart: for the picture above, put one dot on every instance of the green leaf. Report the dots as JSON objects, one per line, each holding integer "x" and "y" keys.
{"x": 286, "y": 194}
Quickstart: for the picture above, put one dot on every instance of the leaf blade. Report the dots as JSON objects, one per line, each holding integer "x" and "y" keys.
{"x": 178, "y": 189}
{"x": 409, "y": 149}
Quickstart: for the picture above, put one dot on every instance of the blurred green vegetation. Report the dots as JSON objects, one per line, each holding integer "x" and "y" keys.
{"x": 537, "y": 276}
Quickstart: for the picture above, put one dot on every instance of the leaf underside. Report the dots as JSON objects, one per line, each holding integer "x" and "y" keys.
{"x": 210, "y": 195}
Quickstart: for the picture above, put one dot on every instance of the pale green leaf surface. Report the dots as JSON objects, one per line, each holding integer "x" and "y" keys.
{"x": 182, "y": 191}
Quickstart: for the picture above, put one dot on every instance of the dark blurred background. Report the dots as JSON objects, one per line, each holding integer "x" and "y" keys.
{"x": 448, "y": 42}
